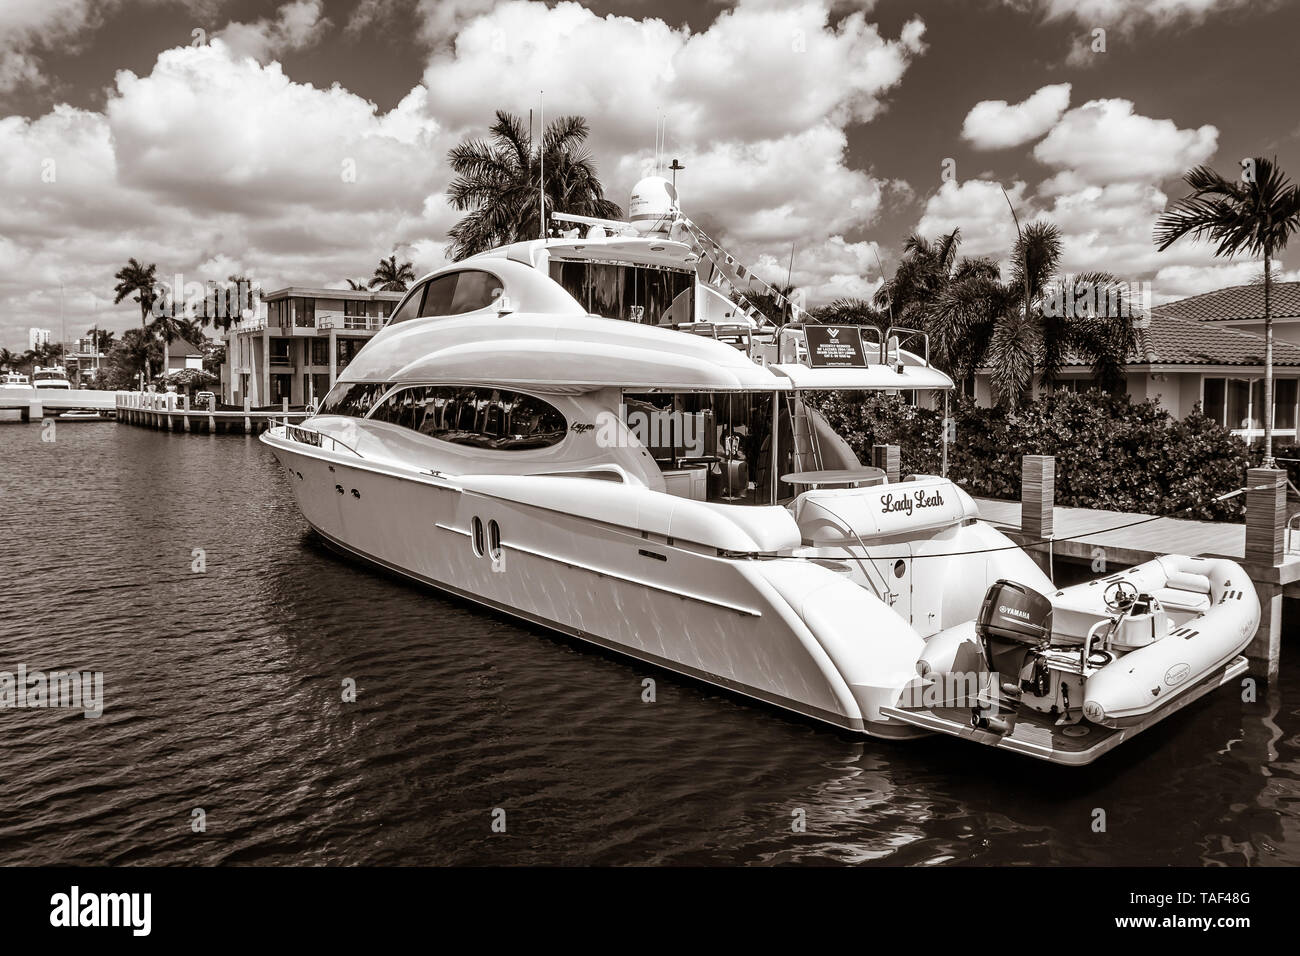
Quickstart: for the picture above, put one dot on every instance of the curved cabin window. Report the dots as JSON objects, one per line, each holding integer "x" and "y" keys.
{"x": 490, "y": 418}
{"x": 354, "y": 399}
{"x": 474, "y": 290}
{"x": 452, "y": 294}
{"x": 410, "y": 306}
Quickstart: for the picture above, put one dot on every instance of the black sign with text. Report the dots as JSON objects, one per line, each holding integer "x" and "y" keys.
{"x": 835, "y": 346}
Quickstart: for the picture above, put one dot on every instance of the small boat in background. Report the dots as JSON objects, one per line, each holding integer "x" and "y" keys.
{"x": 83, "y": 415}
{"x": 55, "y": 376}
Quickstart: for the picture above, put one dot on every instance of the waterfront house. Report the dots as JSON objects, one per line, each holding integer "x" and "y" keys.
{"x": 1209, "y": 350}
{"x": 298, "y": 343}
{"x": 181, "y": 354}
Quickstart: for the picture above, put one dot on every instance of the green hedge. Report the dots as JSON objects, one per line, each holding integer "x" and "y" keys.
{"x": 1111, "y": 452}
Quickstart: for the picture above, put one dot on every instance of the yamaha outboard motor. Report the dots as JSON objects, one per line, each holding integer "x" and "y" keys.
{"x": 1013, "y": 622}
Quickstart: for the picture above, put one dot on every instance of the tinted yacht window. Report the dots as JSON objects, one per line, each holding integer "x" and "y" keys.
{"x": 410, "y": 308}
{"x": 352, "y": 398}
{"x": 438, "y": 299}
{"x": 479, "y": 417}
{"x": 644, "y": 294}
{"x": 474, "y": 290}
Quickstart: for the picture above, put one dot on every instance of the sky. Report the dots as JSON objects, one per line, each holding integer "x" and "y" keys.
{"x": 300, "y": 142}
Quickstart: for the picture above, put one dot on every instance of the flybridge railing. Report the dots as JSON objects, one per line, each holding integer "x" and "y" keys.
{"x": 896, "y": 338}
{"x": 313, "y": 436}
{"x": 877, "y": 347}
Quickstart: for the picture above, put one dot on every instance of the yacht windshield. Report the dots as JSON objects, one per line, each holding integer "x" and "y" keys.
{"x": 634, "y": 293}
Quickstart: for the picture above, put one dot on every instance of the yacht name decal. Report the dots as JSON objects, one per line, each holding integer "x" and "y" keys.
{"x": 581, "y": 427}
{"x": 905, "y": 503}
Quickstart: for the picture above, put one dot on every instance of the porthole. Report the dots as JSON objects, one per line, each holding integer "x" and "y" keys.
{"x": 494, "y": 541}
{"x": 338, "y": 489}
{"x": 476, "y": 535}
{"x": 900, "y": 568}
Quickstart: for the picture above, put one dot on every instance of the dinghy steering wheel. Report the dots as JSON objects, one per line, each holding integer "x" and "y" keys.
{"x": 1120, "y": 595}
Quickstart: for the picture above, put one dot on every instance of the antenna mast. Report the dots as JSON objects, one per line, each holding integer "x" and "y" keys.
{"x": 541, "y": 178}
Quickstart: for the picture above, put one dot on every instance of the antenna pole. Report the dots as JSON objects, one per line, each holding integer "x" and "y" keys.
{"x": 541, "y": 178}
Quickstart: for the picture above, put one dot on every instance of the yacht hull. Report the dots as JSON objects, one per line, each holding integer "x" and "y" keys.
{"x": 736, "y": 624}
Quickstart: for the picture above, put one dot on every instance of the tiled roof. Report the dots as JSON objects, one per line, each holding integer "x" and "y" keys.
{"x": 1235, "y": 302}
{"x": 1172, "y": 341}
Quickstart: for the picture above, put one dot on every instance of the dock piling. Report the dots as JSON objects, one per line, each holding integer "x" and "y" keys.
{"x": 1265, "y": 550}
{"x": 1038, "y": 505}
{"x": 887, "y": 458}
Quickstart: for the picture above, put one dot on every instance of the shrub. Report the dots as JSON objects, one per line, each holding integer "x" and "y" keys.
{"x": 1111, "y": 452}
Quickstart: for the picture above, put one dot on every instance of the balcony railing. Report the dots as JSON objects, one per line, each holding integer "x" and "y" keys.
{"x": 350, "y": 323}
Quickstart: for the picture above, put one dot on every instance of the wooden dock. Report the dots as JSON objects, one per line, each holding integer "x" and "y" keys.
{"x": 171, "y": 412}
{"x": 1081, "y": 534}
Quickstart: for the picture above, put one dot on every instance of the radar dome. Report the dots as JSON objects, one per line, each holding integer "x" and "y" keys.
{"x": 653, "y": 206}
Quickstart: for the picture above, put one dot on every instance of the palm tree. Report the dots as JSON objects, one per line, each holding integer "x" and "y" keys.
{"x": 497, "y": 183}
{"x": 7, "y": 360}
{"x": 391, "y": 277}
{"x": 132, "y": 351}
{"x": 927, "y": 271}
{"x": 977, "y": 320}
{"x": 1256, "y": 216}
{"x": 167, "y": 328}
{"x": 357, "y": 285}
{"x": 141, "y": 280}
{"x": 850, "y": 311}
{"x": 771, "y": 306}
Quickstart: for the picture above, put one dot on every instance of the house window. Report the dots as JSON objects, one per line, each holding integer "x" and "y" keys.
{"x": 281, "y": 384}
{"x": 354, "y": 307}
{"x": 304, "y": 312}
{"x": 1238, "y": 403}
{"x": 280, "y": 351}
{"x": 347, "y": 351}
{"x": 320, "y": 351}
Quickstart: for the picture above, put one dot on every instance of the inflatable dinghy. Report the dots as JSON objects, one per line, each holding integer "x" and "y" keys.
{"x": 1066, "y": 677}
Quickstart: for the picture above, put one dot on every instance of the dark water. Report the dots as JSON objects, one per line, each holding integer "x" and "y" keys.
{"x": 223, "y": 692}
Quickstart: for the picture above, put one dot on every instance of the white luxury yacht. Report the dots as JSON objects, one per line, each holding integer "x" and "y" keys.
{"x": 590, "y": 434}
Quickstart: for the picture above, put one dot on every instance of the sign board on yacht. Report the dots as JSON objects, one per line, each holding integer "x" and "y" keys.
{"x": 835, "y": 346}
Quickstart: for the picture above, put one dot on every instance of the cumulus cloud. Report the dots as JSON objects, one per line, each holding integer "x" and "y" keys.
{"x": 1107, "y": 165}
{"x": 979, "y": 208}
{"x": 1129, "y": 14}
{"x": 1105, "y": 141}
{"x": 993, "y": 124}
{"x": 218, "y": 161}
{"x": 296, "y": 25}
{"x": 27, "y": 26}
{"x": 1180, "y": 281}
{"x": 210, "y": 164}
